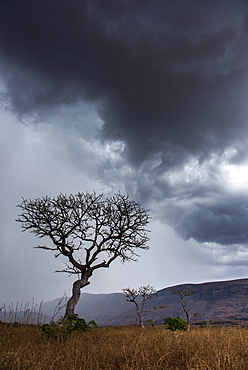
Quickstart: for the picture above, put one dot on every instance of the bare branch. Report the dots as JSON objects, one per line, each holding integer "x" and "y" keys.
{"x": 183, "y": 292}
{"x": 139, "y": 297}
{"x": 45, "y": 247}
{"x": 71, "y": 270}
{"x": 90, "y": 230}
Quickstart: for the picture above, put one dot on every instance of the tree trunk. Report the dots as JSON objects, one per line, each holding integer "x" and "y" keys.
{"x": 76, "y": 291}
{"x": 184, "y": 305}
{"x": 139, "y": 316}
{"x": 187, "y": 318}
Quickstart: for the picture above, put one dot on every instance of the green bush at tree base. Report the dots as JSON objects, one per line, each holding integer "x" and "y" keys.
{"x": 175, "y": 323}
{"x": 62, "y": 329}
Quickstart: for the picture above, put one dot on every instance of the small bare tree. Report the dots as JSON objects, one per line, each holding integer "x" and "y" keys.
{"x": 96, "y": 228}
{"x": 183, "y": 292}
{"x": 139, "y": 297}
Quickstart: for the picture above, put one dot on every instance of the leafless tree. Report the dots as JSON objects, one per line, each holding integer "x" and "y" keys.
{"x": 183, "y": 292}
{"x": 90, "y": 230}
{"x": 139, "y": 297}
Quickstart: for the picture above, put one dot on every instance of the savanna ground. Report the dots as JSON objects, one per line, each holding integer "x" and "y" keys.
{"x": 26, "y": 347}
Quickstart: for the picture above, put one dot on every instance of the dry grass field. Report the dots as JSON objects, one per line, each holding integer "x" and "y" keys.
{"x": 26, "y": 347}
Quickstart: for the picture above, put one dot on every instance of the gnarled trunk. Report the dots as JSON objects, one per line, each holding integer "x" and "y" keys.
{"x": 76, "y": 291}
{"x": 138, "y": 312}
{"x": 140, "y": 321}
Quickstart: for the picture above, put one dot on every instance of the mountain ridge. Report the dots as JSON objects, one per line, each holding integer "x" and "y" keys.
{"x": 219, "y": 301}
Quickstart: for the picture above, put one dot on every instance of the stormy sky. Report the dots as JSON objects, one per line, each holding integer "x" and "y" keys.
{"x": 146, "y": 97}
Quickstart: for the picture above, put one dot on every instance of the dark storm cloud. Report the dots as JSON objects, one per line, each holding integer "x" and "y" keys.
{"x": 166, "y": 73}
{"x": 224, "y": 222}
{"x": 198, "y": 201}
{"x": 169, "y": 79}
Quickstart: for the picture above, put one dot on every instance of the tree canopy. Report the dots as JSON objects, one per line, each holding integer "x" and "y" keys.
{"x": 90, "y": 230}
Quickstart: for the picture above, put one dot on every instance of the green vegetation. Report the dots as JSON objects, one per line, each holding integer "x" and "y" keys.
{"x": 175, "y": 323}
{"x": 206, "y": 324}
{"x": 62, "y": 329}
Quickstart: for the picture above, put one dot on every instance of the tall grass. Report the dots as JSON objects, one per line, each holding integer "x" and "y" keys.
{"x": 125, "y": 348}
{"x": 20, "y": 312}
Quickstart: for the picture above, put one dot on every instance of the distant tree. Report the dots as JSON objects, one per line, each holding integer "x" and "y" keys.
{"x": 183, "y": 292}
{"x": 95, "y": 228}
{"x": 139, "y": 297}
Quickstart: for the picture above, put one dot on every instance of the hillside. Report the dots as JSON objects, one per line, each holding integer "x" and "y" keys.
{"x": 224, "y": 301}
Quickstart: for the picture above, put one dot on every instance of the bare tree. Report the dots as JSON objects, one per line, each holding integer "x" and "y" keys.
{"x": 139, "y": 297}
{"x": 183, "y": 292}
{"x": 90, "y": 230}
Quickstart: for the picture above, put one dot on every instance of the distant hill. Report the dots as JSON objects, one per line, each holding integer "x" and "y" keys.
{"x": 222, "y": 301}
{"x": 98, "y": 307}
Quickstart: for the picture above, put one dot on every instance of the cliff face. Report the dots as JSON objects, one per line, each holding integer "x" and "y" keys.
{"x": 225, "y": 301}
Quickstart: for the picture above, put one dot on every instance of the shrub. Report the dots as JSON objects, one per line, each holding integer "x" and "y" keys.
{"x": 61, "y": 330}
{"x": 206, "y": 324}
{"x": 175, "y": 323}
{"x": 150, "y": 322}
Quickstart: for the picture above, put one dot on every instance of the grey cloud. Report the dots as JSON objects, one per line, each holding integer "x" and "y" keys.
{"x": 224, "y": 222}
{"x": 169, "y": 79}
{"x": 166, "y": 74}
{"x": 198, "y": 201}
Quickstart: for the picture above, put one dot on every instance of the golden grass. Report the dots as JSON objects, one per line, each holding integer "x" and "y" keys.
{"x": 126, "y": 348}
